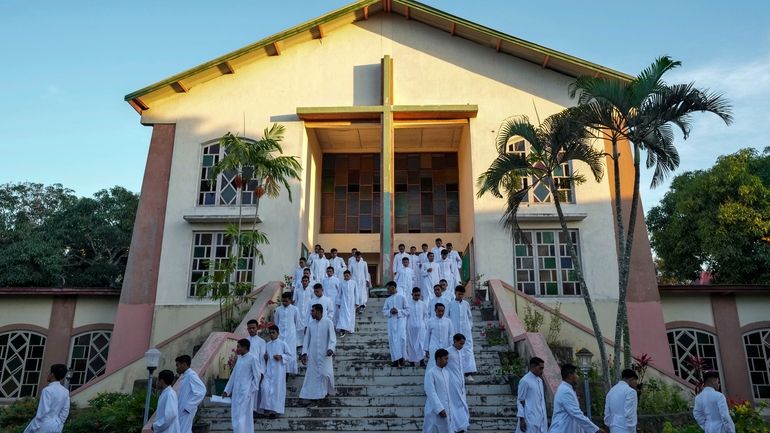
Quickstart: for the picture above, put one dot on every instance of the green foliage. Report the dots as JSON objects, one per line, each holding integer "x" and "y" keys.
{"x": 50, "y": 237}
{"x": 512, "y": 366}
{"x": 17, "y": 415}
{"x": 748, "y": 419}
{"x": 554, "y": 326}
{"x": 659, "y": 398}
{"x": 495, "y": 334}
{"x": 690, "y": 428}
{"x": 718, "y": 219}
{"x": 110, "y": 413}
{"x": 533, "y": 319}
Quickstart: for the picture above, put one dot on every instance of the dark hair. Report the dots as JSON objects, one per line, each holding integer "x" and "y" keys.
{"x": 302, "y": 258}
{"x": 252, "y": 322}
{"x": 167, "y": 376}
{"x": 438, "y": 239}
{"x": 440, "y": 353}
{"x": 444, "y": 252}
{"x": 245, "y": 343}
{"x": 460, "y": 289}
{"x": 458, "y": 337}
{"x": 437, "y": 285}
{"x": 318, "y": 307}
{"x": 330, "y": 267}
{"x": 286, "y": 295}
{"x": 445, "y": 281}
{"x": 535, "y": 361}
{"x": 628, "y": 374}
{"x": 305, "y": 277}
{"x": 346, "y": 272}
{"x": 430, "y": 253}
{"x": 567, "y": 370}
{"x": 402, "y": 245}
{"x": 449, "y": 244}
{"x": 318, "y": 286}
{"x": 391, "y": 284}
{"x": 416, "y": 290}
{"x": 710, "y": 375}
{"x": 358, "y": 253}
{"x": 405, "y": 258}
{"x": 59, "y": 371}
{"x": 439, "y": 304}
{"x": 184, "y": 359}
{"x": 333, "y": 250}
{"x": 274, "y": 328}
{"x": 424, "y": 245}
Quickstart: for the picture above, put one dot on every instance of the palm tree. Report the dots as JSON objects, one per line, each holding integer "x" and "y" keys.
{"x": 249, "y": 164}
{"x": 558, "y": 141}
{"x": 644, "y": 112}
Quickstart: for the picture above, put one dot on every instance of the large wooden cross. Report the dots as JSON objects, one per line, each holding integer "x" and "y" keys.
{"x": 387, "y": 113}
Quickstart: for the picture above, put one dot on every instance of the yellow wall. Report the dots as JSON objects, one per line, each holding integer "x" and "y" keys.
{"x": 688, "y": 308}
{"x": 753, "y": 308}
{"x": 28, "y": 310}
{"x": 95, "y": 310}
{"x": 171, "y": 319}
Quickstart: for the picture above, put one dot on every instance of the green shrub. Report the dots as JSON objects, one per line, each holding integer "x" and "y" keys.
{"x": 111, "y": 412}
{"x": 659, "y": 398}
{"x": 17, "y": 415}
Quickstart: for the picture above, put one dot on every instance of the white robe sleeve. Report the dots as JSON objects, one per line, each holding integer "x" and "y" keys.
{"x": 573, "y": 409}
{"x": 332, "y": 338}
{"x": 699, "y": 414}
{"x": 46, "y": 400}
{"x": 404, "y": 310}
{"x": 197, "y": 392}
{"x": 522, "y": 397}
{"x": 287, "y": 356}
{"x": 432, "y": 394}
{"x": 386, "y": 307}
{"x": 166, "y": 413}
{"x": 724, "y": 413}
{"x": 629, "y": 408}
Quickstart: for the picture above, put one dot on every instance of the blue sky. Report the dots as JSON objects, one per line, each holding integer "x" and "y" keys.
{"x": 67, "y": 66}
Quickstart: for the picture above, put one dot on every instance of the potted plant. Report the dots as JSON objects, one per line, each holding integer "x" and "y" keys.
{"x": 225, "y": 368}
{"x": 512, "y": 368}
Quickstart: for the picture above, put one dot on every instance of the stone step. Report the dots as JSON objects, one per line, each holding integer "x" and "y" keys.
{"x": 397, "y": 381}
{"x": 394, "y": 400}
{"x": 481, "y": 357}
{"x": 404, "y": 390}
{"x": 383, "y": 346}
{"x": 368, "y": 369}
{"x": 412, "y": 411}
{"x": 223, "y": 424}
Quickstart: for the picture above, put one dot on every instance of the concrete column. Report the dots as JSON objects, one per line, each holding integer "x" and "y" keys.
{"x": 387, "y": 182}
{"x": 57, "y": 346}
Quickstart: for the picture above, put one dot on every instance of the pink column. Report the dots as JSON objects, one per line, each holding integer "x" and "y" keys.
{"x": 133, "y": 323}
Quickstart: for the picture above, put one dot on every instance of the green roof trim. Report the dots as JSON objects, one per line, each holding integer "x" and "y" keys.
{"x": 307, "y": 26}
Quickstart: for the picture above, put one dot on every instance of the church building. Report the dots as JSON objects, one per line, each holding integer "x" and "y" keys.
{"x": 392, "y": 108}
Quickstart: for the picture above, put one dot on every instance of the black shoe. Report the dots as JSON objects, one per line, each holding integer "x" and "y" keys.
{"x": 422, "y": 364}
{"x": 343, "y": 333}
{"x": 394, "y": 364}
{"x": 401, "y": 362}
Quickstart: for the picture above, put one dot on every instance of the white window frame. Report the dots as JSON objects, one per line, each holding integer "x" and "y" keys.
{"x": 764, "y": 335}
{"x": 680, "y": 364}
{"x": 558, "y": 257}
{"x": 91, "y": 352}
{"x": 245, "y": 275}
{"x": 223, "y": 181}
{"x": 4, "y": 379}
{"x": 514, "y": 146}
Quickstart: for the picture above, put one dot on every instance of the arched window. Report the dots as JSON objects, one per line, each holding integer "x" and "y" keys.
{"x": 21, "y": 358}
{"x": 689, "y": 345}
{"x": 757, "y": 345}
{"x": 88, "y": 356}
{"x": 223, "y": 191}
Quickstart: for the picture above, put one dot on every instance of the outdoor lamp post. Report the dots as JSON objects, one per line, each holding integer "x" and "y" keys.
{"x": 584, "y": 357}
{"x": 151, "y": 360}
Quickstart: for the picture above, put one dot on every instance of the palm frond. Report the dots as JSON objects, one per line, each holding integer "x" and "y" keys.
{"x": 502, "y": 174}
{"x": 650, "y": 79}
{"x": 513, "y": 126}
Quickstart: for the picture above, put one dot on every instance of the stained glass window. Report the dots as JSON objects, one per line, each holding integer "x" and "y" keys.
{"x": 541, "y": 193}
{"x": 757, "y": 346}
{"x": 88, "y": 356}
{"x": 223, "y": 191}
{"x": 21, "y": 358}
{"x": 350, "y": 193}
{"x": 427, "y": 193}
{"x": 214, "y": 247}
{"x": 690, "y": 345}
{"x": 543, "y": 265}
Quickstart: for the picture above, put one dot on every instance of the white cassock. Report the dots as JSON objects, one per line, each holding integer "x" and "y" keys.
{"x": 319, "y": 376}
{"x": 414, "y": 265}
{"x": 404, "y": 281}
{"x": 243, "y": 383}
{"x": 288, "y": 322}
{"x": 462, "y": 321}
{"x": 447, "y": 272}
{"x": 346, "y": 306}
{"x": 436, "y": 400}
{"x": 301, "y": 298}
{"x": 432, "y": 306}
{"x": 297, "y": 277}
{"x": 338, "y": 263}
{"x": 620, "y": 408}
{"x": 437, "y": 252}
{"x": 318, "y": 268}
{"x": 396, "y": 325}
{"x": 430, "y": 277}
{"x": 331, "y": 290}
{"x": 272, "y": 391}
{"x": 711, "y": 412}
{"x": 397, "y": 261}
{"x": 455, "y": 257}
{"x": 461, "y": 417}
{"x": 351, "y": 259}
{"x": 530, "y": 404}
{"x": 359, "y": 271}
{"x": 257, "y": 349}
{"x": 438, "y": 335}
{"x": 52, "y": 411}
{"x": 567, "y": 416}
{"x": 166, "y": 415}
{"x": 191, "y": 393}
{"x": 326, "y": 303}
{"x": 415, "y": 330}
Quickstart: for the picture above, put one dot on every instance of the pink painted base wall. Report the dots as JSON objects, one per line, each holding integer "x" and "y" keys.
{"x": 130, "y": 339}
{"x": 648, "y": 334}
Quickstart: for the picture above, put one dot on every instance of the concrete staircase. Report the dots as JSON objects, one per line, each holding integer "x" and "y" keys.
{"x": 374, "y": 397}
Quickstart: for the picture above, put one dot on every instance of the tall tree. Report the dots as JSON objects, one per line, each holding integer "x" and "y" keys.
{"x": 642, "y": 111}
{"x": 560, "y": 140}
{"x": 717, "y": 220}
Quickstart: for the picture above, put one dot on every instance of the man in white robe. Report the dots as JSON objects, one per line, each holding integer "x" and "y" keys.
{"x": 620, "y": 404}
{"x": 320, "y": 263}
{"x": 360, "y": 272}
{"x": 567, "y": 416}
{"x": 278, "y": 355}
{"x": 305, "y": 273}
{"x": 438, "y": 248}
{"x": 191, "y": 393}
{"x": 414, "y": 265}
{"x": 54, "y": 405}
{"x": 438, "y": 334}
{"x": 166, "y": 415}
{"x": 455, "y": 257}
{"x": 257, "y": 349}
{"x": 338, "y": 263}
{"x": 299, "y": 271}
{"x": 461, "y": 416}
{"x": 346, "y": 305}
{"x": 319, "y": 297}
{"x": 301, "y": 299}
{"x": 446, "y": 269}
{"x": 530, "y": 400}
{"x": 710, "y": 409}
{"x": 459, "y": 312}
{"x": 352, "y": 257}
{"x": 331, "y": 290}
{"x": 243, "y": 383}
{"x": 287, "y": 318}
{"x": 437, "y": 298}
{"x": 430, "y": 275}
{"x": 398, "y": 259}
{"x": 437, "y": 413}
{"x": 415, "y": 328}
{"x": 317, "y": 353}
{"x": 312, "y": 256}
{"x": 396, "y": 311}
{"x": 404, "y": 277}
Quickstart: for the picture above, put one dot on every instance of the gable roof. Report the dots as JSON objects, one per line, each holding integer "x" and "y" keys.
{"x": 317, "y": 28}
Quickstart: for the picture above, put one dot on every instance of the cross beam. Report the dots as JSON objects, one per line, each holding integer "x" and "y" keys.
{"x": 387, "y": 113}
